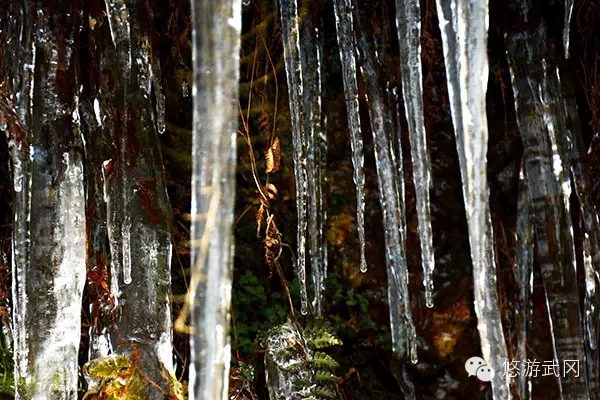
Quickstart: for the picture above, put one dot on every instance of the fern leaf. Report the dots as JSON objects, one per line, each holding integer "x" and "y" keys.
{"x": 325, "y": 339}
{"x": 325, "y": 377}
{"x": 322, "y": 360}
{"x": 323, "y": 392}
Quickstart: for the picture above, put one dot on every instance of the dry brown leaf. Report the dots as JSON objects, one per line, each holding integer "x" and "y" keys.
{"x": 273, "y": 157}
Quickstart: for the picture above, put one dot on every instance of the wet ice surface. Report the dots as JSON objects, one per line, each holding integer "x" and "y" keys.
{"x": 540, "y": 116}
{"x": 463, "y": 25}
{"x": 391, "y": 182}
{"x": 311, "y": 44}
{"x": 408, "y": 23}
{"x": 216, "y": 73}
{"x": 49, "y": 242}
{"x": 344, "y": 23}
{"x": 297, "y": 88}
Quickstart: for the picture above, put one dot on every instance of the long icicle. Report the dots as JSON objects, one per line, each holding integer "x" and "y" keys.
{"x": 408, "y": 22}
{"x": 216, "y": 44}
{"x": 575, "y": 150}
{"x": 404, "y": 341}
{"x": 523, "y": 272}
{"x": 344, "y": 23}
{"x": 311, "y": 43}
{"x": 293, "y": 67}
{"x": 538, "y": 116}
{"x": 464, "y": 25}
{"x": 567, "y": 26}
{"x": 19, "y": 65}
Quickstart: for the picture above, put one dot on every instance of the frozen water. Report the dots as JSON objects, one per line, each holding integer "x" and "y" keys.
{"x": 540, "y": 116}
{"x": 391, "y": 182}
{"x": 344, "y": 23}
{"x": 293, "y": 66}
{"x": 216, "y": 45}
{"x": 408, "y": 22}
{"x": 463, "y": 25}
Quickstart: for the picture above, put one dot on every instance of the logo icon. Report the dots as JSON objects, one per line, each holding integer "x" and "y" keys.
{"x": 476, "y": 366}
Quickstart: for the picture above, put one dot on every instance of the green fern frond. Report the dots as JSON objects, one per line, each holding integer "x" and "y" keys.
{"x": 325, "y": 339}
{"x": 323, "y": 392}
{"x": 324, "y": 361}
{"x": 317, "y": 325}
{"x": 325, "y": 377}
{"x": 301, "y": 382}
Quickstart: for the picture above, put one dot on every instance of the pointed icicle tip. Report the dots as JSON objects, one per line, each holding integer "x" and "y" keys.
{"x": 363, "y": 264}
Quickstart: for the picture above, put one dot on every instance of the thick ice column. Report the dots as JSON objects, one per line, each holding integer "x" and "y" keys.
{"x": 18, "y": 65}
{"x": 49, "y": 244}
{"x": 216, "y": 31}
{"x": 540, "y": 119}
{"x": 138, "y": 208}
{"x": 573, "y": 151}
{"x": 464, "y": 25}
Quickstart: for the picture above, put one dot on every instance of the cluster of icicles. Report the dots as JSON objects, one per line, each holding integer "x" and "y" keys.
{"x": 552, "y": 155}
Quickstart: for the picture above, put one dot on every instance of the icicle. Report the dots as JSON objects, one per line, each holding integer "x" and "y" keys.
{"x": 293, "y": 66}
{"x": 539, "y": 118}
{"x": 97, "y": 193}
{"x": 312, "y": 47}
{"x": 138, "y": 212}
{"x": 216, "y": 46}
{"x": 49, "y": 239}
{"x": 408, "y": 22}
{"x": 51, "y": 321}
{"x": 464, "y": 35}
{"x": 590, "y": 307}
{"x": 159, "y": 95}
{"x": 112, "y": 229}
{"x": 524, "y": 280}
{"x": 567, "y": 27}
{"x": 118, "y": 22}
{"x": 404, "y": 341}
{"x": 19, "y": 60}
{"x": 126, "y": 242}
{"x": 319, "y": 207}
{"x": 344, "y": 23}
{"x": 574, "y": 148}
{"x": 20, "y": 259}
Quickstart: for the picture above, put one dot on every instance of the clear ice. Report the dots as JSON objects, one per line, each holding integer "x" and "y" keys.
{"x": 49, "y": 241}
{"x": 567, "y": 26}
{"x": 464, "y": 25}
{"x": 523, "y": 271}
{"x": 315, "y": 140}
{"x": 296, "y": 92}
{"x": 408, "y": 23}
{"x": 391, "y": 183}
{"x": 540, "y": 117}
{"x": 573, "y": 152}
{"x": 216, "y": 46}
{"x": 138, "y": 211}
{"x": 344, "y": 23}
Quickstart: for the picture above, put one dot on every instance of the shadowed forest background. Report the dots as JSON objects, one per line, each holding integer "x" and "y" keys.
{"x": 355, "y": 304}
